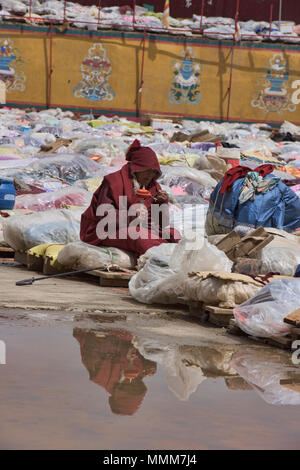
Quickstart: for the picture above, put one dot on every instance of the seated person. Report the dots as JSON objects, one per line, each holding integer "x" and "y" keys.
{"x": 121, "y": 211}
{"x": 252, "y": 198}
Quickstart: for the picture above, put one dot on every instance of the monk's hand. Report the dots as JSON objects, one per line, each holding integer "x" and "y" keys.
{"x": 142, "y": 213}
{"x": 161, "y": 197}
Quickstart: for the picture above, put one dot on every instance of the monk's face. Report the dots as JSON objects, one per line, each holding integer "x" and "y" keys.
{"x": 145, "y": 177}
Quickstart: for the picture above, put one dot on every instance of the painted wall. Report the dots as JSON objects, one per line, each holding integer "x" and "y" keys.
{"x": 103, "y": 71}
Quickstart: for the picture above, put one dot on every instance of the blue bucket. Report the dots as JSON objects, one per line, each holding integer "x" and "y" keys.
{"x": 7, "y": 194}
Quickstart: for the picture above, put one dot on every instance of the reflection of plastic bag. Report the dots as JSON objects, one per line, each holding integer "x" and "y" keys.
{"x": 56, "y": 226}
{"x": 264, "y": 374}
{"x": 182, "y": 379}
{"x": 71, "y": 196}
{"x": 79, "y": 255}
{"x": 263, "y": 314}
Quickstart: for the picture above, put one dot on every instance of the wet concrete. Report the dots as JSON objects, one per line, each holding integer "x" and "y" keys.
{"x": 123, "y": 381}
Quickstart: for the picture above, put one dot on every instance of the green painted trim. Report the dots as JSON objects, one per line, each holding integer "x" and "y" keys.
{"x": 150, "y": 36}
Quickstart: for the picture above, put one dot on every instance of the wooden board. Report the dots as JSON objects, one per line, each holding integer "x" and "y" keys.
{"x": 20, "y": 258}
{"x": 114, "y": 279}
{"x": 35, "y": 263}
{"x": 6, "y": 253}
{"x": 208, "y": 313}
{"x": 219, "y": 316}
{"x": 293, "y": 318}
{"x": 237, "y": 383}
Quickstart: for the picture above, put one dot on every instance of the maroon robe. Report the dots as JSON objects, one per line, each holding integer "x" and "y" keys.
{"x": 119, "y": 184}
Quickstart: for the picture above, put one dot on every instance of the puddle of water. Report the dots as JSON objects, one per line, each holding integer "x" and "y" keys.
{"x": 77, "y": 388}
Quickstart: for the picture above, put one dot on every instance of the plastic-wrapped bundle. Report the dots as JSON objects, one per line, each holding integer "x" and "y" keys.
{"x": 263, "y": 314}
{"x": 197, "y": 254}
{"x": 79, "y": 255}
{"x": 71, "y": 196}
{"x": 170, "y": 176}
{"x": 163, "y": 269}
{"x": 70, "y": 167}
{"x": 156, "y": 282}
{"x": 280, "y": 256}
{"x": 225, "y": 290}
{"x": 22, "y": 232}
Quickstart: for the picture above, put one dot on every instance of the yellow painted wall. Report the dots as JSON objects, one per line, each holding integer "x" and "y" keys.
{"x": 204, "y": 64}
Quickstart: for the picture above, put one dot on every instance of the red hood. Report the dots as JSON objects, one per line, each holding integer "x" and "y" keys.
{"x": 141, "y": 158}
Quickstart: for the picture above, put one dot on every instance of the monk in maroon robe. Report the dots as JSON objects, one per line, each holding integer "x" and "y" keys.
{"x": 107, "y": 221}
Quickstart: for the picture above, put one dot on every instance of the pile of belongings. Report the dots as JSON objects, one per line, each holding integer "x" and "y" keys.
{"x": 124, "y": 18}
{"x": 58, "y": 159}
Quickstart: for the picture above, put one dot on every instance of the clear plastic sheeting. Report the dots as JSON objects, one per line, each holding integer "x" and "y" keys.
{"x": 72, "y": 196}
{"x": 281, "y": 256}
{"x": 197, "y": 254}
{"x": 171, "y": 176}
{"x": 60, "y": 226}
{"x": 164, "y": 269}
{"x": 263, "y": 314}
{"x": 267, "y": 374}
{"x": 79, "y": 255}
{"x": 156, "y": 282}
{"x": 69, "y": 168}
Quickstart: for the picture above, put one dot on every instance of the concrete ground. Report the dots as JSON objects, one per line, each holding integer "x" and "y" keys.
{"x": 73, "y": 296}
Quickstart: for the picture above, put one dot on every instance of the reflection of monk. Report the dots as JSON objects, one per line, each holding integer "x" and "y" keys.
{"x": 116, "y": 365}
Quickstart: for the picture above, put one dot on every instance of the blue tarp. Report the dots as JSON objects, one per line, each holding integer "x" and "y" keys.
{"x": 279, "y": 208}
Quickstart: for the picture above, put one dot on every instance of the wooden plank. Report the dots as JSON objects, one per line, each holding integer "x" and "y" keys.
{"x": 291, "y": 384}
{"x": 20, "y": 258}
{"x": 229, "y": 241}
{"x": 6, "y": 249}
{"x": 35, "y": 263}
{"x": 219, "y": 310}
{"x": 237, "y": 383}
{"x": 112, "y": 275}
{"x": 219, "y": 316}
{"x": 113, "y": 282}
{"x": 197, "y": 310}
{"x": 293, "y": 318}
{"x": 282, "y": 342}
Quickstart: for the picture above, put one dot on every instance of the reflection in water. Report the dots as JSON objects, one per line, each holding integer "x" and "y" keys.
{"x": 186, "y": 367}
{"x": 118, "y": 361}
{"x": 275, "y": 380}
{"x": 116, "y": 365}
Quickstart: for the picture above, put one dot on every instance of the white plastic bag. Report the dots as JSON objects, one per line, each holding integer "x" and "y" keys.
{"x": 156, "y": 282}
{"x": 79, "y": 255}
{"x": 22, "y": 232}
{"x": 263, "y": 314}
{"x": 197, "y": 254}
{"x": 278, "y": 258}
